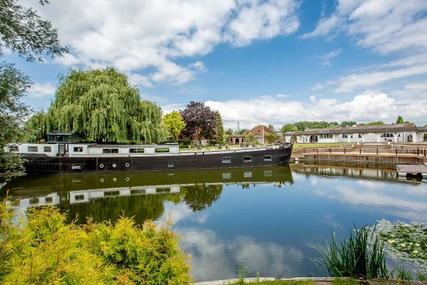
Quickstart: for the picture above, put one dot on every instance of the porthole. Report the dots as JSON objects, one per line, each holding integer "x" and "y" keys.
{"x": 114, "y": 179}
{"x": 127, "y": 164}
{"x": 127, "y": 179}
{"x": 101, "y": 180}
{"x": 114, "y": 165}
{"x": 101, "y": 165}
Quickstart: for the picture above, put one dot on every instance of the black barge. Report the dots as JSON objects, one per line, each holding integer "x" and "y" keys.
{"x": 78, "y": 157}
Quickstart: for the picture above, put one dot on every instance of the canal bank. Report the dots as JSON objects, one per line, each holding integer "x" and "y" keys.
{"x": 373, "y": 155}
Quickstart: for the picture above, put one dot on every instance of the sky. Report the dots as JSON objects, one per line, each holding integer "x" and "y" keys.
{"x": 255, "y": 61}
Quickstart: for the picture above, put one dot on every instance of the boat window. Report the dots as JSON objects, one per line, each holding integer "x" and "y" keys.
{"x": 268, "y": 158}
{"x": 226, "y": 159}
{"x": 247, "y": 158}
{"x": 136, "y": 150}
{"x": 110, "y": 150}
{"x": 48, "y": 200}
{"x": 79, "y": 197}
{"x": 13, "y": 148}
{"x": 47, "y": 148}
{"x": 161, "y": 149}
{"x": 33, "y": 149}
{"x": 78, "y": 149}
{"x": 170, "y": 165}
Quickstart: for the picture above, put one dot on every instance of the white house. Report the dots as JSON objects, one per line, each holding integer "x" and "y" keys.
{"x": 360, "y": 134}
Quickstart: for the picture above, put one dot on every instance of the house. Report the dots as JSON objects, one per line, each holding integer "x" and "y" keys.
{"x": 360, "y": 134}
{"x": 260, "y": 134}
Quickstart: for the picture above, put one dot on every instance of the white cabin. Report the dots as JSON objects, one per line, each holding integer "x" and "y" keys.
{"x": 82, "y": 150}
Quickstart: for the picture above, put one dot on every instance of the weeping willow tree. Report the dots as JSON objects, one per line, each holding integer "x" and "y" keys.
{"x": 101, "y": 106}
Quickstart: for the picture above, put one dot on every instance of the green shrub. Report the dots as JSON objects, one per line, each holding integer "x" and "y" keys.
{"x": 362, "y": 255}
{"x": 43, "y": 249}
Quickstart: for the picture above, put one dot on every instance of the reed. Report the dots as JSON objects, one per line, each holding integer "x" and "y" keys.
{"x": 362, "y": 255}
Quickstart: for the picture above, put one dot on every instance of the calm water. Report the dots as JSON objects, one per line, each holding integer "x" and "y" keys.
{"x": 267, "y": 220}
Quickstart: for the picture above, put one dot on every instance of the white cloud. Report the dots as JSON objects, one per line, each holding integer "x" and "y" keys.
{"x": 384, "y": 26}
{"x": 326, "y": 59}
{"x": 42, "y": 90}
{"x": 364, "y": 107}
{"x": 146, "y": 37}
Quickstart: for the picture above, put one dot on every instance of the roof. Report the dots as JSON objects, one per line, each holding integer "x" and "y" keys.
{"x": 423, "y": 129}
{"x": 266, "y": 129}
{"x": 358, "y": 129}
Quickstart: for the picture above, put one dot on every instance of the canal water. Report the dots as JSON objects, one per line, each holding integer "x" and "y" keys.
{"x": 268, "y": 220}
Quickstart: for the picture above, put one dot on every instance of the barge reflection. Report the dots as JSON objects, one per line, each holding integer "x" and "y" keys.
{"x": 139, "y": 194}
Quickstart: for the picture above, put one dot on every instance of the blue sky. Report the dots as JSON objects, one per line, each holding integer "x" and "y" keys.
{"x": 256, "y": 61}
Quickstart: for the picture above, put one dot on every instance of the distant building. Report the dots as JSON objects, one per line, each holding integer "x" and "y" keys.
{"x": 360, "y": 134}
{"x": 259, "y": 134}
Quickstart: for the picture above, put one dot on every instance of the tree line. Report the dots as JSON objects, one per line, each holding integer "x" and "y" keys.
{"x": 304, "y": 125}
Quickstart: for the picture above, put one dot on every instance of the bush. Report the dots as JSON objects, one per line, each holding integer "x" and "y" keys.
{"x": 362, "y": 255}
{"x": 43, "y": 249}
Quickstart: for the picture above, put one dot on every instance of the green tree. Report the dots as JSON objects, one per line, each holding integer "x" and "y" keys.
{"x": 101, "y": 106}
{"x": 174, "y": 123}
{"x": 35, "y": 128}
{"x": 21, "y": 31}
{"x": 348, "y": 123}
{"x": 271, "y": 138}
{"x": 218, "y": 129}
{"x": 13, "y": 85}
{"x": 400, "y": 120}
{"x": 375, "y": 123}
{"x": 288, "y": 128}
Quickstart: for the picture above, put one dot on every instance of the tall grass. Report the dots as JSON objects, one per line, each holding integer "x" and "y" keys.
{"x": 362, "y": 255}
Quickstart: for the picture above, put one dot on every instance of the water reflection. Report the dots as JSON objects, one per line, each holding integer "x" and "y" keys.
{"x": 266, "y": 219}
{"x": 141, "y": 195}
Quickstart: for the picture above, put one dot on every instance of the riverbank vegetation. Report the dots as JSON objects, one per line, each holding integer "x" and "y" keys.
{"x": 43, "y": 249}
{"x": 29, "y": 36}
{"x": 362, "y": 255}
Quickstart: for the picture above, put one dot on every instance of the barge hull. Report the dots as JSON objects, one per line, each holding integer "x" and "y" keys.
{"x": 41, "y": 164}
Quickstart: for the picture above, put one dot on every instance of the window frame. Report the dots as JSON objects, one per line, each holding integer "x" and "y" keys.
{"x": 47, "y": 147}
{"x": 32, "y": 148}
{"x": 268, "y": 159}
{"x": 226, "y": 160}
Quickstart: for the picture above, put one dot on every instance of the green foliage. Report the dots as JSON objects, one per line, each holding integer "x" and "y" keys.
{"x": 288, "y": 128}
{"x": 400, "y": 273}
{"x": 375, "y": 123}
{"x": 421, "y": 276}
{"x": 303, "y": 125}
{"x": 348, "y": 124}
{"x": 24, "y": 32}
{"x": 13, "y": 84}
{"x": 46, "y": 250}
{"x": 35, "y": 128}
{"x": 174, "y": 123}
{"x": 362, "y": 255}
{"x": 400, "y": 120}
{"x": 101, "y": 106}
{"x": 271, "y": 138}
{"x": 218, "y": 137}
{"x": 410, "y": 239}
